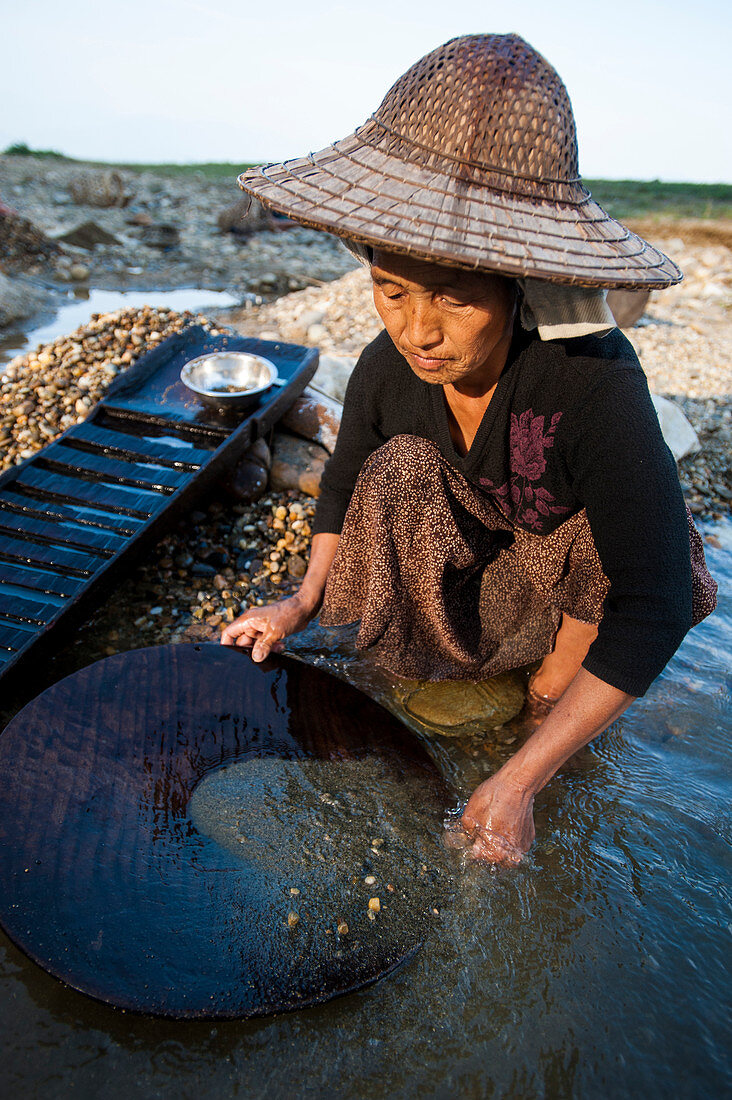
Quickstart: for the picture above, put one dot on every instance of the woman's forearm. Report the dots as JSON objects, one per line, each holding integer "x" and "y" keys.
{"x": 322, "y": 552}
{"x": 499, "y": 814}
{"x": 587, "y": 707}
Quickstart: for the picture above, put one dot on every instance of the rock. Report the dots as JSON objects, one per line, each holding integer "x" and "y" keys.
{"x": 160, "y": 236}
{"x": 628, "y": 306}
{"x": 87, "y": 236}
{"x": 310, "y": 317}
{"x": 333, "y": 373}
{"x": 317, "y": 333}
{"x": 448, "y": 706}
{"x": 244, "y": 217}
{"x": 260, "y": 454}
{"x": 19, "y": 300}
{"x": 315, "y": 416}
{"x": 247, "y": 481}
{"x": 203, "y": 569}
{"x": 681, "y": 438}
{"x": 296, "y": 566}
{"x": 79, "y": 272}
{"x": 140, "y": 219}
{"x": 219, "y": 558}
{"x": 297, "y": 465}
{"x": 103, "y": 189}
{"x": 21, "y": 242}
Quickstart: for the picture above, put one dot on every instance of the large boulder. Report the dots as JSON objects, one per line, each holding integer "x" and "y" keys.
{"x": 316, "y": 417}
{"x": 247, "y": 216}
{"x": 296, "y": 464}
{"x": 244, "y": 216}
{"x": 19, "y": 300}
{"x": 87, "y": 235}
{"x": 103, "y": 189}
{"x": 21, "y": 242}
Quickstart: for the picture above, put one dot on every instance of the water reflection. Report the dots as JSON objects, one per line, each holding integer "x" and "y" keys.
{"x": 601, "y": 966}
{"x": 79, "y": 306}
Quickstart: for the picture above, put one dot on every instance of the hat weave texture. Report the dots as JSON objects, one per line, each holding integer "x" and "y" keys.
{"x": 471, "y": 160}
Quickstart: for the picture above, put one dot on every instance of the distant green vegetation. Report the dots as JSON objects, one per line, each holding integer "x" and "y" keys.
{"x": 20, "y": 149}
{"x": 643, "y": 199}
{"x": 621, "y": 198}
{"x": 216, "y": 170}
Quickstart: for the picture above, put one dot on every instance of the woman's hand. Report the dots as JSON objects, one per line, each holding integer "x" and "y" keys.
{"x": 263, "y": 629}
{"x": 499, "y": 821}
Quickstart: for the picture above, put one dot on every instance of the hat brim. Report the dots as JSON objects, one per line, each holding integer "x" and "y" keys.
{"x": 359, "y": 192}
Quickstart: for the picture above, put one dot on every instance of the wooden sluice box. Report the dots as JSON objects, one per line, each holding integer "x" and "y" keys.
{"x": 81, "y": 511}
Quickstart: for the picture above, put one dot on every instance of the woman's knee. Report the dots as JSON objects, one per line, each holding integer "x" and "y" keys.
{"x": 405, "y": 463}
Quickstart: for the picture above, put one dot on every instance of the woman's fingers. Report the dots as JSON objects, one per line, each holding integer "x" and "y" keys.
{"x": 245, "y": 631}
{"x": 493, "y": 848}
{"x": 231, "y": 631}
{"x": 263, "y": 630}
{"x": 264, "y": 643}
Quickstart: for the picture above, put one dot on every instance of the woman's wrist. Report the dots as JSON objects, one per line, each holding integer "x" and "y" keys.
{"x": 521, "y": 783}
{"x": 309, "y": 597}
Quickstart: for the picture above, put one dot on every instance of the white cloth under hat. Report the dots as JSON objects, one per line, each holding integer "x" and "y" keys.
{"x": 561, "y": 312}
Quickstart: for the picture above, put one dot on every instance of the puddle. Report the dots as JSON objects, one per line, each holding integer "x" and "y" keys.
{"x": 77, "y": 310}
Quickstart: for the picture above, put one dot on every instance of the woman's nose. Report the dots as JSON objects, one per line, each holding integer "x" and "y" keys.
{"x": 423, "y": 327}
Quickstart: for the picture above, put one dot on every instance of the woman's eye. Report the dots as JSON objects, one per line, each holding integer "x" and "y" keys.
{"x": 453, "y": 302}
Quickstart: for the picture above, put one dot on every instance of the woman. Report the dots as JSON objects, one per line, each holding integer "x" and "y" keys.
{"x": 500, "y": 491}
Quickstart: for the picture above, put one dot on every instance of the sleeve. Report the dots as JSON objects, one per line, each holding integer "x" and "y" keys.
{"x": 358, "y": 436}
{"x": 626, "y": 477}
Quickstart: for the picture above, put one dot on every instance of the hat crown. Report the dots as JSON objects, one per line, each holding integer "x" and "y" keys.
{"x": 491, "y": 103}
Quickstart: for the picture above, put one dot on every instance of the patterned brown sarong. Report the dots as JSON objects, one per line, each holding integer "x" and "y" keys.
{"x": 444, "y": 586}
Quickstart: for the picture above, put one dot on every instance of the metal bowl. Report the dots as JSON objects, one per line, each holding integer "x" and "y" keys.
{"x": 229, "y": 378}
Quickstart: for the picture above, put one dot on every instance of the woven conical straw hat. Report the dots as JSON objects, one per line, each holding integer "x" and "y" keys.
{"x": 471, "y": 161}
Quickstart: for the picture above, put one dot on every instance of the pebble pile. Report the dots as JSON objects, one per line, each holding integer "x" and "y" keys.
{"x": 217, "y": 564}
{"x": 48, "y": 390}
{"x": 339, "y": 318}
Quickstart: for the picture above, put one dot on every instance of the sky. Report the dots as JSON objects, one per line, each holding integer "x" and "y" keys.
{"x": 232, "y": 80}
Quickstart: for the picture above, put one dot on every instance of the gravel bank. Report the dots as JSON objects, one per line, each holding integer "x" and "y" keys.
{"x": 271, "y": 262}
{"x": 230, "y": 557}
{"x": 48, "y": 390}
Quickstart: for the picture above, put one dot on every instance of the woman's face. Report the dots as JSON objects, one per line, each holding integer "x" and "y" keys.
{"x": 451, "y": 326}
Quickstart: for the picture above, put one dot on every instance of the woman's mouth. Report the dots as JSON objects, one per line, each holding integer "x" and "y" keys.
{"x": 424, "y": 363}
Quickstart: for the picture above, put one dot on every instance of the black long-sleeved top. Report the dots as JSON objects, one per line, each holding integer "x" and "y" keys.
{"x": 571, "y": 425}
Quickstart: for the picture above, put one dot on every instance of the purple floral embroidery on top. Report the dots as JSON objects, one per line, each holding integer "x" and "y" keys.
{"x": 528, "y": 442}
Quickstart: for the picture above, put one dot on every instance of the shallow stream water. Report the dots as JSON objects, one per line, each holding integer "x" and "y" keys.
{"x": 600, "y": 967}
{"x": 77, "y": 309}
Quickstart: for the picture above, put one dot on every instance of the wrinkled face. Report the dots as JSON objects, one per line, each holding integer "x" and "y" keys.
{"x": 450, "y": 325}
